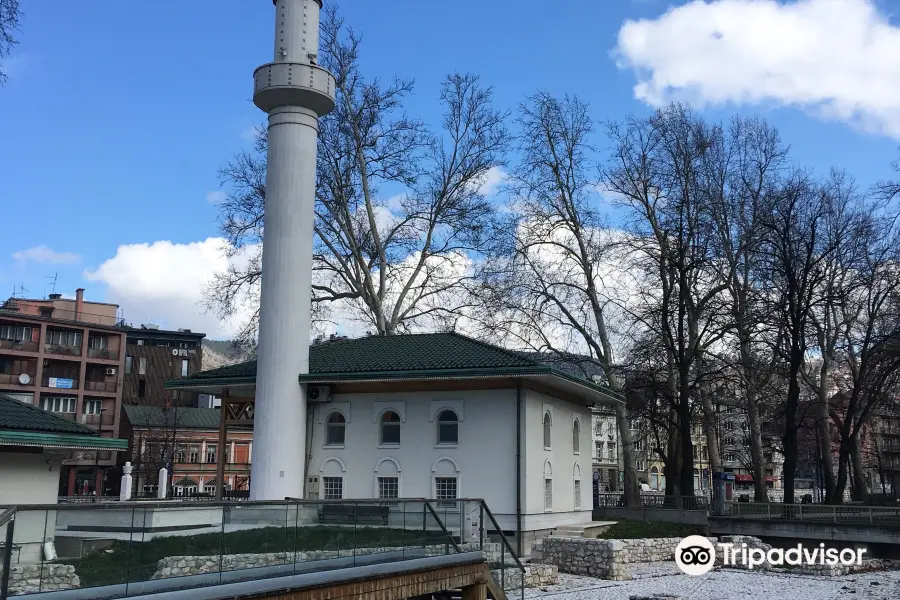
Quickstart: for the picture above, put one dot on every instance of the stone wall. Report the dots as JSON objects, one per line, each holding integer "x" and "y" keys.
{"x": 30, "y": 579}
{"x": 536, "y": 576}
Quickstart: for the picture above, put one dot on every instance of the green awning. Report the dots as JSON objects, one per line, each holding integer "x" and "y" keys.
{"x": 60, "y": 440}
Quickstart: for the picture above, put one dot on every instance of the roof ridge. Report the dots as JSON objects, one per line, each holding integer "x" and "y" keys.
{"x": 500, "y": 349}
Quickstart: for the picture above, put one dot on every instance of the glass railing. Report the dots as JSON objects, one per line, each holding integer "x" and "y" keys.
{"x": 117, "y": 550}
{"x": 471, "y": 523}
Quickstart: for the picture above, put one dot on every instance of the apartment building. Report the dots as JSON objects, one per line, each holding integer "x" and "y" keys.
{"x": 606, "y": 454}
{"x": 155, "y": 355}
{"x": 67, "y": 356}
{"x": 184, "y": 440}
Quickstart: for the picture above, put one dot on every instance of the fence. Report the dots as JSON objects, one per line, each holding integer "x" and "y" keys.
{"x": 654, "y": 501}
{"x": 819, "y": 513}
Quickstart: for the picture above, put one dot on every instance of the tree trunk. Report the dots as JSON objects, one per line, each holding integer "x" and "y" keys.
{"x": 632, "y": 493}
{"x": 843, "y": 459}
{"x": 712, "y": 437}
{"x": 687, "y": 445}
{"x": 860, "y": 489}
{"x": 790, "y": 424}
{"x": 760, "y": 494}
{"x": 823, "y": 424}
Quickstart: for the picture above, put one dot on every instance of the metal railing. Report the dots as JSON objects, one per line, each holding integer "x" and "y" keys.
{"x": 103, "y": 353}
{"x": 14, "y": 378}
{"x": 18, "y": 345}
{"x": 651, "y": 500}
{"x": 60, "y": 349}
{"x": 159, "y": 546}
{"x": 45, "y": 382}
{"x": 819, "y": 513}
{"x": 100, "y": 386}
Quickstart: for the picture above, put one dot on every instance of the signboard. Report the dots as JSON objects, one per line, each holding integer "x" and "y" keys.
{"x": 184, "y": 352}
{"x": 59, "y": 382}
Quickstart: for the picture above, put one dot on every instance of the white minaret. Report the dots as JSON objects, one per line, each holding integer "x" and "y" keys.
{"x": 295, "y": 92}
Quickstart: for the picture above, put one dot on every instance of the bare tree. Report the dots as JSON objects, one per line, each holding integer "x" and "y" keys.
{"x": 547, "y": 289}
{"x": 10, "y": 15}
{"x": 658, "y": 172}
{"x": 391, "y": 262}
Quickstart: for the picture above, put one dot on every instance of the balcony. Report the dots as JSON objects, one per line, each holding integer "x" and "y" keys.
{"x": 65, "y": 350}
{"x": 13, "y": 378}
{"x": 100, "y": 386}
{"x": 65, "y": 415}
{"x": 97, "y": 420}
{"x": 18, "y": 345}
{"x": 103, "y": 354}
{"x": 60, "y": 383}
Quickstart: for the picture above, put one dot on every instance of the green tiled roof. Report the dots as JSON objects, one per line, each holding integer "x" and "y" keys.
{"x": 19, "y": 416}
{"x": 24, "y": 424}
{"x": 180, "y": 417}
{"x": 397, "y": 357}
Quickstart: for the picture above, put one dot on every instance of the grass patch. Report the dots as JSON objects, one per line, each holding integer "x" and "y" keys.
{"x": 136, "y": 561}
{"x": 629, "y": 530}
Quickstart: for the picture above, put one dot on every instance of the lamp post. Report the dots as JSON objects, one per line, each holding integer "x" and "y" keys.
{"x": 97, "y": 478}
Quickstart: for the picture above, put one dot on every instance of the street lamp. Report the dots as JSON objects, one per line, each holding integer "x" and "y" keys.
{"x": 97, "y": 480}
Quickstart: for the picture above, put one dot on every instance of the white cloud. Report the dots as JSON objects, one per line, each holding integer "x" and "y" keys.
{"x": 216, "y": 197}
{"x": 491, "y": 181}
{"x": 45, "y": 255}
{"x": 164, "y": 281}
{"x": 836, "y": 59}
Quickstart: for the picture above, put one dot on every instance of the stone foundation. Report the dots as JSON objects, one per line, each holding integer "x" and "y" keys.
{"x": 30, "y": 579}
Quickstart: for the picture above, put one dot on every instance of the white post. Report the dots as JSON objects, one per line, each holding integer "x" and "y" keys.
{"x": 294, "y": 91}
{"x": 231, "y": 454}
{"x": 125, "y": 485}
{"x": 162, "y": 491}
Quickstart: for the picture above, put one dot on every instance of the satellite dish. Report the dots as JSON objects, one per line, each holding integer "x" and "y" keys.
{"x": 24, "y": 379}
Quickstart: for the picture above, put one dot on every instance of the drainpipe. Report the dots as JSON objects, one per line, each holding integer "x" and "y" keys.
{"x": 519, "y": 544}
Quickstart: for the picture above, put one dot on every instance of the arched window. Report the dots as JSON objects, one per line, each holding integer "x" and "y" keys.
{"x": 576, "y": 434}
{"x": 448, "y": 428}
{"x": 335, "y": 429}
{"x": 654, "y": 478}
{"x": 547, "y": 425}
{"x": 390, "y": 428}
{"x": 548, "y": 486}
{"x": 576, "y": 487}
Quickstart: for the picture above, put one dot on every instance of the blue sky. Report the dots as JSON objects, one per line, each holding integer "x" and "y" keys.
{"x": 117, "y": 115}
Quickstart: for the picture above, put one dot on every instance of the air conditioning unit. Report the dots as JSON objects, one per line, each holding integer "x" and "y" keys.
{"x": 111, "y": 371}
{"x": 318, "y": 393}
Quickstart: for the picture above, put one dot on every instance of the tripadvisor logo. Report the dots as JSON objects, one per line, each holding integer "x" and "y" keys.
{"x": 695, "y": 555}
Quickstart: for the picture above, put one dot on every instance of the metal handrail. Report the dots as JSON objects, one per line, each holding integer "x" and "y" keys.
{"x": 443, "y": 527}
{"x": 502, "y": 537}
{"x": 8, "y": 518}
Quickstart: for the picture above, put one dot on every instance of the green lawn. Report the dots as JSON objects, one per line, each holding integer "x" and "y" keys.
{"x": 629, "y": 530}
{"x": 136, "y": 561}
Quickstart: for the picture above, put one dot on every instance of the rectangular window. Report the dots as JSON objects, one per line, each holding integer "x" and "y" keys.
{"x": 445, "y": 490}
{"x": 639, "y": 465}
{"x": 611, "y": 453}
{"x": 15, "y": 333}
{"x": 639, "y": 445}
{"x": 98, "y": 342}
{"x": 333, "y": 488}
{"x": 184, "y": 367}
{"x": 129, "y": 364}
{"x": 180, "y": 455}
{"x": 210, "y": 456}
{"x": 140, "y": 342}
{"x": 142, "y": 388}
{"x": 729, "y": 457}
{"x": 59, "y": 405}
{"x": 142, "y": 366}
{"x": 577, "y": 492}
{"x": 92, "y": 407}
{"x": 388, "y": 488}
{"x": 599, "y": 449}
{"x": 195, "y": 455}
{"x": 548, "y": 494}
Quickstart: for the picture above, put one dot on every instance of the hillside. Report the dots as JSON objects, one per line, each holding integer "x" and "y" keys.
{"x": 220, "y": 353}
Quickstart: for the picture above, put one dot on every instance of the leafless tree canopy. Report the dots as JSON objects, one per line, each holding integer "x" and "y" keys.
{"x": 392, "y": 262}
{"x": 10, "y": 14}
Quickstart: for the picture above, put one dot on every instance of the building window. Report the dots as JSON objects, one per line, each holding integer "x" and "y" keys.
{"x": 129, "y": 364}
{"x": 92, "y": 407}
{"x": 98, "y": 342}
{"x": 210, "y": 488}
{"x": 332, "y": 488}
{"x": 611, "y": 453}
{"x": 390, "y": 428}
{"x": 59, "y": 405}
{"x": 142, "y": 388}
{"x": 56, "y": 337}
{"x": 184, "y": 367}
{"x": 576, "y": 435}
{"x": 142, "y": 365}
{"x": 335, "y": 429}
{"x": 729, "y": 441}
{"x": 448, "y": 428}
{"x": 445, "y": 491}
{"x": 179, "y": 455}
{"x": 639, "y": 465}
{"x": 598, "y": 446}
{"x": 140, "y": 342}
{"x": 633, "y": 424}
{"x": 548, "y": 425}
{"x": 195, "y": 455}
{"x": 548, "y": 494}
{"x": 639, "y": 445}
{"x": 388, "y": 488}
{"x": 577, "y": 492}
{"x": 15, "y": 333}
{"x": 210, "y": 455}
{"x": 729, "y": 457}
